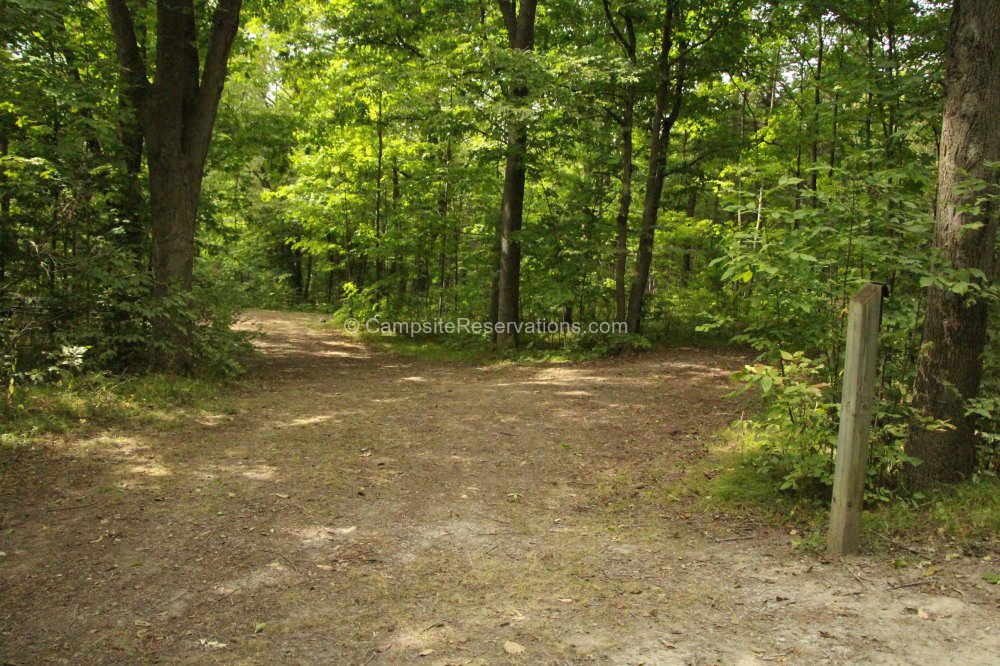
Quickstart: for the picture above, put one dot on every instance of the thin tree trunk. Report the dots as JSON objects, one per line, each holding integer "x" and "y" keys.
{"x": 665, "y": 115}
{"x": 689, "y": 210}
{"x": 814, "y": 174}
{"x": 378, "y": 194}
{"x": 624, "y": 208}
{"x": 307, "y": 280}
{"x": 7, "y": 242}
{"x": 443, "y": 254}
{"x": 949, "y": 367}
{"x": 520, "y": 25}
{"x": 627, "y": 39}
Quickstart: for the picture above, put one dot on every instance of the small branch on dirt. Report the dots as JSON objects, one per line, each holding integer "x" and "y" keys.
{"x": 370, "y": 656}
{"x": 439, "y": 623}
{"x": 68, "y": 508}
{"x": 285, "y": 558}
{"x": 739, "y": 538}
{"x": 76, "y": 616}
{"x": 914, "y": 583}
{"x": 174, "y": 598}
{"x": 896, "y": 543}
{"x": 226, "y": 595}
{"x": 858, "y": 577}
{"x": 499, "y": 520}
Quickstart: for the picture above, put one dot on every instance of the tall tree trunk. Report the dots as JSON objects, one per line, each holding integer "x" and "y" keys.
{"x": 378, "y": 194}
{"x": 627, "y": 39}
{"x": 307, "y": 279}
{"x": 174, "y": 192}
{"x": 443, "y": 205}
{"x": 7, "y": 243}
{"x": 949, "y": 367}
{"x": 520, "y": 23}
{"x": 398, "y": 268}
{"x": 176, "y": 114}
{"x": 817, "y": 100}
{"x": 690, "y": 210}
{"x": 665, "y": 114}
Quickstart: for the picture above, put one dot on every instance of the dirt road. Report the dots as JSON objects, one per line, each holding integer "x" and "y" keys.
{"x": 355, "y": 507}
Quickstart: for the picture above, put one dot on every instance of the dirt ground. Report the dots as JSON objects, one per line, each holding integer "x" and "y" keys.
{"x": 356, "y": 507}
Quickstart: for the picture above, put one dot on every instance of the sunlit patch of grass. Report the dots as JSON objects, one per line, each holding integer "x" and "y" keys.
{"x": 480, "y": 351}
{"x": 968, "y": 513}
{"x": 83, "y": 402}
{"x": 437, "y": 349}
{"x": 727, "y": 481}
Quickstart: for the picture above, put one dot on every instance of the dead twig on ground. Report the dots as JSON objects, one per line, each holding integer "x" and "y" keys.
{"x": 913, "y": 583}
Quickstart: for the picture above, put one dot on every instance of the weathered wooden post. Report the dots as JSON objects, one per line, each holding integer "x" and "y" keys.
{"x": 863, "y": 318}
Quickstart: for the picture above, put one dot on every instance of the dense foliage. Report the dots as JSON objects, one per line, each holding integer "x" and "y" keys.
{"x": 357, "y": 166}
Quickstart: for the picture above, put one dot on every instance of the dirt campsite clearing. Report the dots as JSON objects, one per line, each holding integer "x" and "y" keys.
{"x": 353, "y": 506}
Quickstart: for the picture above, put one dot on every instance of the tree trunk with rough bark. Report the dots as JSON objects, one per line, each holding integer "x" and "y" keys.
{"x": 669, "y": 91}
{"x": 520, "y": 23}
{"x": 627, "y": 39}
{"x": 176, "y": 114}
{"x": 949, "y": 368}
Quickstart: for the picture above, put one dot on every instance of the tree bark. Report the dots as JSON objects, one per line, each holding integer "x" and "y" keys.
{"x": 627, "y": 40}
{"x": 378, "y": 195}
{"x": 176, "y": 114}
{"x": 949, "y": 367}
{"x": 520, "y": 23}
{"x": 7, "y": 243}
{"x": 814, "y": 129}
{"x": 665, "y": 114}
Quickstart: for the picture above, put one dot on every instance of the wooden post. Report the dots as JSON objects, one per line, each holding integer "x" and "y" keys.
{"x": 863, "y": 318}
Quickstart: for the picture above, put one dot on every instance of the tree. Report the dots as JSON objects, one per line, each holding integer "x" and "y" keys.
{"x": 520, "y": 24}
{"x": 669, "y": 95}
{"x": 176, "y": 113}
{"x": 627, "y": 40}
{"x": 949, "y": 368}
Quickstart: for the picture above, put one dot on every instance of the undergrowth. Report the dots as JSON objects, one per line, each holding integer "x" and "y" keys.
{"x": 90, "y": 401}
{"x": 732, "y": 480}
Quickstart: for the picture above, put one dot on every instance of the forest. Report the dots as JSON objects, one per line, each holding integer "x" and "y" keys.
{"x": 712, "y": 178}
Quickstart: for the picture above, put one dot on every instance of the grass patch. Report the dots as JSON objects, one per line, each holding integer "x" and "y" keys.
{"x": 476, "y": 350}
{"x": 446, "y": 349}
{"x": 92, "y": 401}
{"x": 727, "y": 481}
{"x": 967, "y": 513}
